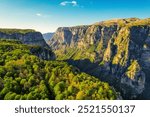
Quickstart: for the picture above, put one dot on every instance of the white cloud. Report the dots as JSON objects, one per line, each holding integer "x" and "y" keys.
{"x": 73, "y": 3}
{"x": 39, "y": 14}
{"x": 42, "y": 15}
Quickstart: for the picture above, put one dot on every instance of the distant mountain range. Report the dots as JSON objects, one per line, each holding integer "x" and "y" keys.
{"x": 48, "y": 36}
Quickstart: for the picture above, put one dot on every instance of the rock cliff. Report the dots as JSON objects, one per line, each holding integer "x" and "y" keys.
{"x": 26, "y": 36}
{"x": 30, "y": 37}
{"x": 117, "y": 50}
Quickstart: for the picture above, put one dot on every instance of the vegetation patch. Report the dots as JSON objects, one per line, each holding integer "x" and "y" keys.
{"x": 24, "y": 76}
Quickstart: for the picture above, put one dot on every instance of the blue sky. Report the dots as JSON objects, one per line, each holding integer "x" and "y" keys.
{"x": 48, "y": 15}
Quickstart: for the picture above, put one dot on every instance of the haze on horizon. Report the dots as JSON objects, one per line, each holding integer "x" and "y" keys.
{"x": 48, "y": 15}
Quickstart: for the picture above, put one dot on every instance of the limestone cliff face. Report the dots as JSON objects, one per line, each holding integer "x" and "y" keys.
{"x": 119, "y": 49}
{"x": 67, "y": 37}
{"x": 40, "y": 47}
{"x": 25, "y": 36}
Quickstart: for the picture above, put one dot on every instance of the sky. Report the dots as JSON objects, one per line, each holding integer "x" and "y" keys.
{"x": 48, "y": 15}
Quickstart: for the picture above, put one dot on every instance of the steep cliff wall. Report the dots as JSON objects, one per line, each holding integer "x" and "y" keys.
{"x": 38, "y": 46}
{"x": 65, "y": 36}
{"x": 118, "y": 50}
{"x": 25, "y": 36}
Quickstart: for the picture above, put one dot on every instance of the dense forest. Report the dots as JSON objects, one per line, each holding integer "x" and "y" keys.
{"x": 24, "y": 76}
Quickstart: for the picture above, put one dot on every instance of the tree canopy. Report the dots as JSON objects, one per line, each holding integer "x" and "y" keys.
{"x": 24, "y": 76}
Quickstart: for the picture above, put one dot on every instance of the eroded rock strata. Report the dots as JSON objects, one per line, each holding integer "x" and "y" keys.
{"x": 116, "y": 50}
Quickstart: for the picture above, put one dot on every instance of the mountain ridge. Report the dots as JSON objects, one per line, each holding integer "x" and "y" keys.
{"x": 120, "y": 48}
{"x": 26, "y": 36}
{"x": 30, "y": 37}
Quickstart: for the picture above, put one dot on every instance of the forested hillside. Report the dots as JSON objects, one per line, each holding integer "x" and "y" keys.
{"x": 24, "y": 76}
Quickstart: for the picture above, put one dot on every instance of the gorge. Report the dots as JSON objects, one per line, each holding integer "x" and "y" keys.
{"x": 104, "y": 60}
{"x": 116, "y": 51}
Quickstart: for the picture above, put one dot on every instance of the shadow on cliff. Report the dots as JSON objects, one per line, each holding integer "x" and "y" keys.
{"x": 146, "y": 92}
{"x": 104, "y": 75}
{"x": 43, "y": 53}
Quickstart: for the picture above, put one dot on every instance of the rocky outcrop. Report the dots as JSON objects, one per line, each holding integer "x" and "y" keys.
{"x": 65, "y": 36}
{"x": 25, "y": 36}
{"x": 30, "y": 37}
{"x": 119, "y": 51}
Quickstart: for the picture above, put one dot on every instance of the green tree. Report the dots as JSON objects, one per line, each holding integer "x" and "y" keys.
{"x": 80, "y": 95}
